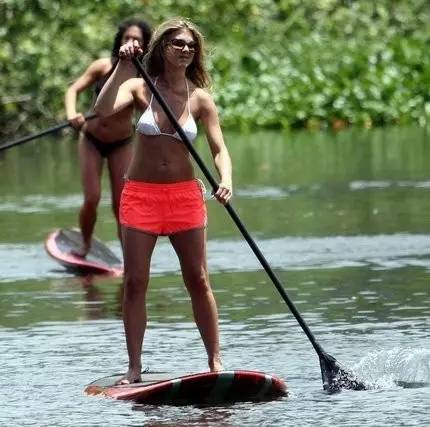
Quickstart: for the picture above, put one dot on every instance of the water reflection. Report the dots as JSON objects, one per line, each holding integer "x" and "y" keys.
{"x": 184, "y": 417}
{"x": 94, "y": 302}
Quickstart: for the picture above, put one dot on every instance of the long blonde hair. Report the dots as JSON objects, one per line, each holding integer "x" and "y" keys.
{"x": 154, "y": 58}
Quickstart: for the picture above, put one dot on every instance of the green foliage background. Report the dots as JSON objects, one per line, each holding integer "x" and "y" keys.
{"x": 275, "y": 63}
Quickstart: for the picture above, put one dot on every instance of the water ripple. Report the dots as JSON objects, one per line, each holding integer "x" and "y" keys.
{"x": 29, "y": 261}
{"x": 43, "y": 203}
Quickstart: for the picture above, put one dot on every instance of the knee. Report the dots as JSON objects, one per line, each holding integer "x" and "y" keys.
{"x": 115, "y": 208}
{"x": 91, "y": 200}
{"x": 197, "y": 282}
{"x": 134, "y": 286}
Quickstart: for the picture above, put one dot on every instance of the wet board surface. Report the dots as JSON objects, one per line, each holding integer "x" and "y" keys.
{"x": 201, "y": 388}
{"x": 100, "y": 260}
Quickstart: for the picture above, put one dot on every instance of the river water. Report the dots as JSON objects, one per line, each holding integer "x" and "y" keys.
{"x": 344, "y": 221}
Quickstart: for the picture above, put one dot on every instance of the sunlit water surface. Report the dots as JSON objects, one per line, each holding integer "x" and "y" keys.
{"x": 343, "y": 220}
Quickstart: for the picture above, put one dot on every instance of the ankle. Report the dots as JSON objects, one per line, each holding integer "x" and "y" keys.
{"x": 215, "y": 364}
{"x": 134, "y": 367}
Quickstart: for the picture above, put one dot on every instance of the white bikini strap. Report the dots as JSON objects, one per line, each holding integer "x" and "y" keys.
{"x": 152, "y": 94}
{"x": 188, "y": 96}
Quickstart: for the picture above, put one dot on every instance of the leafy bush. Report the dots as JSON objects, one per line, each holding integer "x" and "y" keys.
{"x": 275, "y": 63}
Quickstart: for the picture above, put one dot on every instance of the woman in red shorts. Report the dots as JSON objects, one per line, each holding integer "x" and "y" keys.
{"x": 161, "y": 195}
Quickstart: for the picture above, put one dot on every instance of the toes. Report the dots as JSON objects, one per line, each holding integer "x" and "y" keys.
{"x": 122, "y": 381}
{"x": 79, "y": 253}
{"x": 126, "y": 381}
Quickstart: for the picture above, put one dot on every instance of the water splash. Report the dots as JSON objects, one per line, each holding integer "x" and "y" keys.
{"x": 399, "y": 367}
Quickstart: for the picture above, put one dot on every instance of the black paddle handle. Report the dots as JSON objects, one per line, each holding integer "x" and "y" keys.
{"x": 229, "y": 208}
{"x": 40, "y": 134}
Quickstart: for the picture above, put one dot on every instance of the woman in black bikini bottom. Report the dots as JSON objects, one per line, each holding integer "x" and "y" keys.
{"x": 105, "y": 149}
{"x": 103, "y": 137}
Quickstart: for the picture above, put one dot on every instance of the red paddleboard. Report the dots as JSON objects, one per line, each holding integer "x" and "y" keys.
{"x": 60, "y": 245}
{"x": 201, "y": 388}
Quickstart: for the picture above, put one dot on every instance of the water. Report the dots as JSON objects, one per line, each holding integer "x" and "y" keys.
{"x": 343, "y": 220}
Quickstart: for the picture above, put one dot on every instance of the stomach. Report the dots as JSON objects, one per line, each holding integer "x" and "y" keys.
{"x": 160, "y": 159}
{"x": 112, "y": 128}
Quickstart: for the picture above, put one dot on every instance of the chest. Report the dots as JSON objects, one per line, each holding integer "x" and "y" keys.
{"x": 181, "y": 104}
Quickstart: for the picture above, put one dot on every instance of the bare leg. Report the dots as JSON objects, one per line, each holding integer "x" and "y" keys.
{"x": 118, "y": 163}
{"x": 138, "y": 248}
{"x": 91, "y": 164}
{"x": 191, "y": 249}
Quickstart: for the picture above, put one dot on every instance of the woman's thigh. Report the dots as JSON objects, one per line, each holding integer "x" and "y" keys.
{"x": 190, "y": 246}
{"x": 138, "y": 248}
{"x": 91, "y": 164}
{"x": 118, "y": 162}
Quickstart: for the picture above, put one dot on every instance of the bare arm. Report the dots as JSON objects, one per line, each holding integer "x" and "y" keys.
{"x": 90, "y": 76}
{"x": 210, "y": 120}
{"x": 118, "y": 92}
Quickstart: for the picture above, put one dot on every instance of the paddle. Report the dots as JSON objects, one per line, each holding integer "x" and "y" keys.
{"x": 40, "y": 134}
{"x": 334, "y": 376}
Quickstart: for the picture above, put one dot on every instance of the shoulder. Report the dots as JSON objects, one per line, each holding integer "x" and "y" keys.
{"x": 101, "y": 66}
{"x": 204, "y": 99}
{"x": 102, "y": 62}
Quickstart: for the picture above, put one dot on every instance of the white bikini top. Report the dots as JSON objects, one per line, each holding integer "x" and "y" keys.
{"x": 148, "y": 126}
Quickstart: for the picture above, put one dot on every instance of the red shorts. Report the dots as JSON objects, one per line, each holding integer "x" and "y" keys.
{"x": 163, "y": 209}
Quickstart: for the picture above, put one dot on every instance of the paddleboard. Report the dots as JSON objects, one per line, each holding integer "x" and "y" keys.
{"x": 200, "y": 388}
{"x": 100, "y": 260}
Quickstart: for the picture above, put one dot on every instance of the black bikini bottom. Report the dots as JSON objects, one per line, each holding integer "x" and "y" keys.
{"x": 107, "y": 148}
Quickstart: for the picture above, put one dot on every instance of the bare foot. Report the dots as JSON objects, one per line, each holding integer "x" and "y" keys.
{"x": 131, "y": 377}
{"x": 81, "y": 252}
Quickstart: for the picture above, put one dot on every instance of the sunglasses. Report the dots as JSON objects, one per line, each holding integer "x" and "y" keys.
{"x": 180, "y": 44}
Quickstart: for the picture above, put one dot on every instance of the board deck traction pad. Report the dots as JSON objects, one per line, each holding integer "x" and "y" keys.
{"x": 100, "y": 259}
{"x": 206, "y": 387}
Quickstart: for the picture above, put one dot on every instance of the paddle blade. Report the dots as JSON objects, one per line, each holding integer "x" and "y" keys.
{"x": 336, "y": 378}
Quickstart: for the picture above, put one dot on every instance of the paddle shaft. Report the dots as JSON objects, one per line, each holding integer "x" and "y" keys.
{"x": 40, "y": 134}
{"x": 229, "y": 208}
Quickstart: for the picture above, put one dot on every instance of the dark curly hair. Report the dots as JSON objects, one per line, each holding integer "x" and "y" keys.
{"x": 123, "y": 27}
